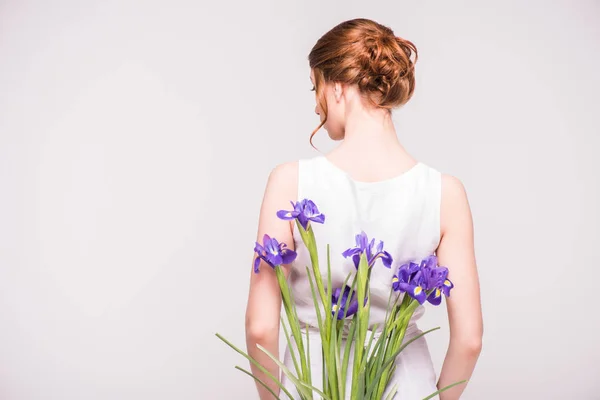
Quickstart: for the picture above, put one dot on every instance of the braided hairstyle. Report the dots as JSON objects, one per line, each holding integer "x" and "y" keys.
{"x": 365, "y": 53}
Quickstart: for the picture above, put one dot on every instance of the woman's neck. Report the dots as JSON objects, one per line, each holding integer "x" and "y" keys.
{"x": 370, "y": 132}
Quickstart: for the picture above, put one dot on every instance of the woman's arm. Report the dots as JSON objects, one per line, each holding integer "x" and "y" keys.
{"x": 264, "y": 299}
{"x": 456, "y": 251}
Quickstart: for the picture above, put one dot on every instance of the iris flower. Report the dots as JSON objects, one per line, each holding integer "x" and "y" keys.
{"x": 424, "y": 281}
{"x": 352, "y": 304}
{"x": 304, "y": 211}
{"x": 273, "y": 253}
{"x": 409, "y": 279}
{"x": 437, "y": 277}
{"x": 364, "y": 246}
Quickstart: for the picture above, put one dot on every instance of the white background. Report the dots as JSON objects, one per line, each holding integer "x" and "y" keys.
{"x": 135, "y": 143}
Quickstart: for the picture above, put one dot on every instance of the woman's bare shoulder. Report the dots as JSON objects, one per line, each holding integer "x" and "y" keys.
{"x": 282, "y": 182}
{"x": 286, "y": 169}
{"x": 285, "y": 174}
{"x": 452, "y": 187}
{"x": 455, "y": 208}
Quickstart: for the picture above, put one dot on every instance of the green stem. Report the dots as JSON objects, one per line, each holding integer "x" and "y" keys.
{"x": 362, "y": 316}
{"x": 308, "y": 237}
{"x": 407, "y": 308}
{"x": 256, "y": 363}
{"x": 432, "y": 395}
{"x": 290, "y": 310}
{"x": 259, "y": 381}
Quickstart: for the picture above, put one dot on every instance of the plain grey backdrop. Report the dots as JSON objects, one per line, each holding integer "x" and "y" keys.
{"x": 135, "y": 143}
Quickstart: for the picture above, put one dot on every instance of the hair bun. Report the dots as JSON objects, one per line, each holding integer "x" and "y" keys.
{"x": 387, "y": 71}
{"x": 366, "y": 53}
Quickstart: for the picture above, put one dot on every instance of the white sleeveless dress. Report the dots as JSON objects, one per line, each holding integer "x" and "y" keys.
{"x": 403, "y": 212}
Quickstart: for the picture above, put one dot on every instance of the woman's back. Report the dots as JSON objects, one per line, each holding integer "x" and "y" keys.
{"x": 404, "y": 213}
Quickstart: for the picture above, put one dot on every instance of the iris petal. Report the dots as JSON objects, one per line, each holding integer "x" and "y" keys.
{"x": 356, "y": 260}
{"x": 431, "y": 261}
{"x": 303, "y": 221}
{"x": 435, "y": 297}
{"x": 319, "y": 218}
{"x": 370, "y": 255}
{"x": 404, "y": 287}
{"x": 342, "y": 297}
{"x": 286, "y": 215}
{"x": 446, "y": 287}
{"x": 362, "y": 240}
{"x": 352, "y": 308}
{"x": 336, "y": 295}
{"x": 418, "y": 294}
{"x": 387, "y": 259}
{"x": 274, "y": 259}
{"x": 288, "y": 256}
{"x": 351, "y": 252}
{"x": 256, "y": 264}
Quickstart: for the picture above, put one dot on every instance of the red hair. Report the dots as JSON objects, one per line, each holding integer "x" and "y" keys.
{"x": 365, "y": 53}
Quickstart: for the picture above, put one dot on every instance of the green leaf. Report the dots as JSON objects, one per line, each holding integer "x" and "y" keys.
{"x": 315, "y": 301}
{"x": 256, "y": 363}
{"x": 363, "y": 319}
{"x": 294, "y": 323}
{"x": 349, "y": 341}
{"x": 398, "y": 329}
{"x": 308, "y": 350}
{"x": 259, "y": 381}
{"x": 336, "y": 357}
{"x": 324, "y": 335}
{"x": 373, "y": 331}
{"x": 392, "y": 392}
{"x": 326, "y": 387}
{"x": 415, "y": 338}
{"x": 361, "y": 384}
{"x": 314, "y": 258}
{"x": 384, "y": 340}
{"x": 302, "y": 387}
{"x": 444, "y": 389}
{"x": 291, "y": 349}
{"x": 388, "y": 362}
{"x": 328, "y": 276}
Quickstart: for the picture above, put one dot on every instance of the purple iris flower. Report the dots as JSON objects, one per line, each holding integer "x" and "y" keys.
{"x": 352, "y": 304}
{"x": 438, "y": 284}
{"x": 420, "y": 279}
{"x": 363, "y": 245}
{"x": 305, "y": 211}
{"x": 435, "y": 297}
{"x": 436, "y": 276}
{"x": 273, "y": 253}
{"x": 447, "y": 285}
{"x": 410, "y": 279}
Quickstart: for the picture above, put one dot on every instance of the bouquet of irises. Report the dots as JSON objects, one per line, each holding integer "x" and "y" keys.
{"x": 343, "y": 312}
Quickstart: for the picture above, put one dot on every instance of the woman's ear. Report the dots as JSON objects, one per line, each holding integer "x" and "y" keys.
{"x": 338, "y": 91}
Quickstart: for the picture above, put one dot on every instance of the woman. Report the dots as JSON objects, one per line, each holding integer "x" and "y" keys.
{"x": 361, "y": 71}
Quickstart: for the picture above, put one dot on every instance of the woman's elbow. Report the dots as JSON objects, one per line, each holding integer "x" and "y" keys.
{"x": 468, "y": 344}
{"x": 261, "y": 331}
{"x": 473, "y": 346}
